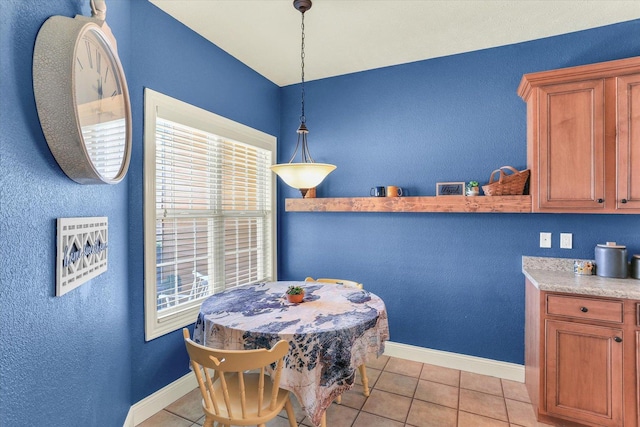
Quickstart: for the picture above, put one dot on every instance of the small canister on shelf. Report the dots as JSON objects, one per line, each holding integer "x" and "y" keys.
{"x": 635, "y": 266}
{"x": 611, "y": 260}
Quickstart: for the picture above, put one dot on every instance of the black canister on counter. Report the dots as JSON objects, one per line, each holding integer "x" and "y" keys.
{"x": 635, "y": 266}
{"x": 611, "y": 260}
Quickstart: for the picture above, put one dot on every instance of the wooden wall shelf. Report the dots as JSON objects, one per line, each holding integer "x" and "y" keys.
{"x": 479, "y": 204}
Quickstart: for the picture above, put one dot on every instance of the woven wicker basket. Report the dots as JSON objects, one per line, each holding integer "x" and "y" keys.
{"x": 506, "y": 185}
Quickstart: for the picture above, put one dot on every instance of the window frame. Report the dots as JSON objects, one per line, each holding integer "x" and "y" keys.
{"x": 190, "y": 115}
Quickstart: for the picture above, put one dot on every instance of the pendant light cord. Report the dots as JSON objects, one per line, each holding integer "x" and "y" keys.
{"x": 302, "y": 116}
{"x": 302, "y": 131}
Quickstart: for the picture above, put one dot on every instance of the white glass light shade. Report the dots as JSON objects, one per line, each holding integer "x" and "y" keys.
{"x": 303, "y": 175}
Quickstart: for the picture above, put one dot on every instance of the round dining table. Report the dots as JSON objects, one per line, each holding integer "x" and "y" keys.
{"x": 331, "y": 333}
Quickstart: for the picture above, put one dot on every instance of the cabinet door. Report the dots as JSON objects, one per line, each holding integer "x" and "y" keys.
{"x": 584, "y": 372}
{"x": 628, "y": 194}
{"x": 571, "y": 146}
{"x": 637, "y": 371}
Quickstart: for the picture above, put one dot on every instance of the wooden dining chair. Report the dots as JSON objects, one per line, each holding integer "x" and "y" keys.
{"x": 362, "y": 368}
{"x": 233, "y": 396}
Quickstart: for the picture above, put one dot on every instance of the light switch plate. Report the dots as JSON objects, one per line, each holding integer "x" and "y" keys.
{"x": 545, "y": 240}
{"x": 566, "y": 241}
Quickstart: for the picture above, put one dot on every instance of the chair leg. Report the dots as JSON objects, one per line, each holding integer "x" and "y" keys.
{"x": 323, "y": 421}
{"x": 365, "y": 380}
{"x": 290, "y": 414}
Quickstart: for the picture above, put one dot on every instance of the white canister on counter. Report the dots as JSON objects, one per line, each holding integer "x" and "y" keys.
{"x": 611, "y": 260}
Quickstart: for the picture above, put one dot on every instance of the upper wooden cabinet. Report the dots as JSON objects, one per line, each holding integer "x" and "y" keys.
{"x": 628, "y": 164}
{"x": 583, "y": 137}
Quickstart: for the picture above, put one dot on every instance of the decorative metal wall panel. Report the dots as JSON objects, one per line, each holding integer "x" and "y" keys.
{"x": 81, "y": 251}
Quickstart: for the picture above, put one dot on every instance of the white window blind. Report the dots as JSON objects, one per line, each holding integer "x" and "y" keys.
{"x": 212, "y": 213}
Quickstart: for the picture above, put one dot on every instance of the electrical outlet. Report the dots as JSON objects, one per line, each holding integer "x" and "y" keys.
{"x": 545, "y": 240}
{"x": 566, "y": 240}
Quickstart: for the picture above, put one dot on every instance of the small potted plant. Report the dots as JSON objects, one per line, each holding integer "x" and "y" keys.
{"x": 473, "y": 189}
{"x": 295, "y": 294}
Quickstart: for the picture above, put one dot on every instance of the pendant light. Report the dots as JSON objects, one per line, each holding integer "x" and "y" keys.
{"x": 306, "y": 174}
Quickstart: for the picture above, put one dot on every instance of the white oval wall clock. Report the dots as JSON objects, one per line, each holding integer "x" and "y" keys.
{"x": 82, "y": 97}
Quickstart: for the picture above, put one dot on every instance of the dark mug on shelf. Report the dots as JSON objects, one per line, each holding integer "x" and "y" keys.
{"x": 377, "y": 192}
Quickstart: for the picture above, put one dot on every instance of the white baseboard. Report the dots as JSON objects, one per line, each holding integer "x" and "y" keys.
{"x": 157, "y": 401}
{"x": 478, "y": 365}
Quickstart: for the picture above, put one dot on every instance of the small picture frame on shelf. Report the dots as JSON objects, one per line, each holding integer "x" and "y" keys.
{"x": 450, "y": 189}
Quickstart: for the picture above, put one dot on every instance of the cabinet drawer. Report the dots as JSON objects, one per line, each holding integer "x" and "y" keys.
{"x": 585, "y": 308}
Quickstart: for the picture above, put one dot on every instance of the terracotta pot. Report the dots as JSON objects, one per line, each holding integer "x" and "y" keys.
{"x": 296, "y": 299}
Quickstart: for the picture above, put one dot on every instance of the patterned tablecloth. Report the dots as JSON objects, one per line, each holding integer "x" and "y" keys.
{"x": 332, "y": 332}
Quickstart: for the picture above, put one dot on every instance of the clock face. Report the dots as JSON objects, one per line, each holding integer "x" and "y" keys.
{"x": 101, "y": 102}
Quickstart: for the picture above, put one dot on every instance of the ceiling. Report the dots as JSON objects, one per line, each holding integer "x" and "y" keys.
{"x": 346, "y": 36}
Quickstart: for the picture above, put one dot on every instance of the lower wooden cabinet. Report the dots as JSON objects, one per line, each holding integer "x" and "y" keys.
{"x": 581, "y": 358}
{"x": 584, "y": 372}
{"x": 637, "y": 384}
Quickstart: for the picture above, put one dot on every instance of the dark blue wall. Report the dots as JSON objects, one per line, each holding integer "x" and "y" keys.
{"x": 451, "y": 282}
{"x": 63, "y": 361}
{"x": 81, "y": 359}
{"x": 171, "y": 59}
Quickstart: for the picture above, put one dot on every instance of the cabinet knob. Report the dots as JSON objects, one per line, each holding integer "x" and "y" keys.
{"x": 600, "y": 200}
{"x": 624, "y": 200}
{"x": 617, "y": 339}
{"x": 584, "y": 309}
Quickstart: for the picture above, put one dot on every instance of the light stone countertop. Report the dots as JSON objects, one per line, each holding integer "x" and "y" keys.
{"x": 556, "y": 275}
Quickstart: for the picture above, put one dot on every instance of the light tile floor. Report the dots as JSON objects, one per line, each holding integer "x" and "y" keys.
{"x": 403, "y": 393}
